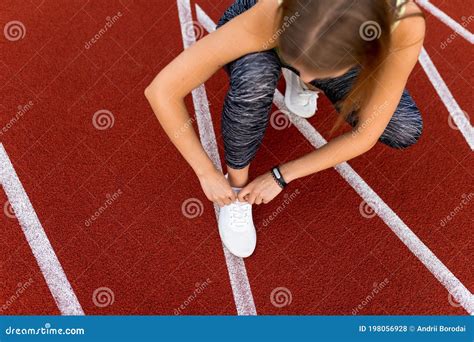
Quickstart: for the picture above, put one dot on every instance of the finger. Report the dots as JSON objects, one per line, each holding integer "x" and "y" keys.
{"x": 232, "y": 195}
{"x": 243, "y": 193}
{"x": 244, "y": 198}
{"x": 252, "y": 197}
{"x": 220, "y": 203}
{"x": 258, "y": 200}
{"x": 227, "y": 200}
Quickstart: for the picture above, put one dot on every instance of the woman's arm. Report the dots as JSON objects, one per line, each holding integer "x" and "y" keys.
{"x": 373, "y": 117}
{"x": 191, "y": 68}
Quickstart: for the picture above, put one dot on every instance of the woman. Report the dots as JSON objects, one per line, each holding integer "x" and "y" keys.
{"x": 360, "y": 53}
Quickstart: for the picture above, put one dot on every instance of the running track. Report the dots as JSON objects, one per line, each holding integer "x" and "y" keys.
{"x": 102, "y": 216}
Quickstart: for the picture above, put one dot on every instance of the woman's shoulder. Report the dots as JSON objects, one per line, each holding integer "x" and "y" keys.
{"x": 411, "y": 27}
{"x": 269, "y": 4}
{"x": 264, "y": 19}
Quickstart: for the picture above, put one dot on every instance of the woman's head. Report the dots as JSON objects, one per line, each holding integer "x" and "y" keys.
{"x": 333, "y": 35}
{"x": 328, "y": 37}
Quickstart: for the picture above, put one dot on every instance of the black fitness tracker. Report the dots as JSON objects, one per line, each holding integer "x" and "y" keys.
{"x": 277, "y": 176}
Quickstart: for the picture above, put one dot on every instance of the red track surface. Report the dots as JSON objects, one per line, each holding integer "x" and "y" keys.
{"x": 143, "y": 248}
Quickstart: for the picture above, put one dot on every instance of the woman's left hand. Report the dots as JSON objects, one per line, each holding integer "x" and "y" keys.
{"x": 261, "y": 190}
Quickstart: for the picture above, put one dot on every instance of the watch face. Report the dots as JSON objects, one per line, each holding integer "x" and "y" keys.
{"x": 277, "y": 173}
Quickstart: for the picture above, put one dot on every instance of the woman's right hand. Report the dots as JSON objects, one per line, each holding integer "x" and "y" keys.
{"x": 217, "y": 188}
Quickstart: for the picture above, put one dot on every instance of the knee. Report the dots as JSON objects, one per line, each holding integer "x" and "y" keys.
{"x": 253, "y": 78}
{"x": 406, "y": 125}
{"x": 406, "y": 135}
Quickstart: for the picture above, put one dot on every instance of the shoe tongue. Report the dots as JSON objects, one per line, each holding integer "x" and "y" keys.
{"x": 237, "y": 190}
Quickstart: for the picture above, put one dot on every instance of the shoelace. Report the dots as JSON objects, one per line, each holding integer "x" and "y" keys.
{"x": 240, "y": 214}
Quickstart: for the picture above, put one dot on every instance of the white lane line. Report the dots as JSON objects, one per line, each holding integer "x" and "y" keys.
{"x": 454, "y": 286}
{"x": 46, "y": 258}
{"x": 208, "y": 24}
{"x": 461, "y": 120}
{"x": 404, "y": 233}
{"x": 239, "y": 281}
{"x": 446, "y": 19}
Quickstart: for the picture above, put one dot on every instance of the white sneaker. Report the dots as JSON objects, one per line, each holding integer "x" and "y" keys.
{"x": 298, "y": 98}
{"x": 236, "y": 228}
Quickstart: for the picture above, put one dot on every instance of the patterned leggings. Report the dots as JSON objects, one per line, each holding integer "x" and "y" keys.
{"x": 253, "y": 80}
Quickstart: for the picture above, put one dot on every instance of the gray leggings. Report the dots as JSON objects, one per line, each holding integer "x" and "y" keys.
{"x": 253, "y": 80}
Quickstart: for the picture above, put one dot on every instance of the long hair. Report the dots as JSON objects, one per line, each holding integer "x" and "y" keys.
{"x": 333, "y": 35}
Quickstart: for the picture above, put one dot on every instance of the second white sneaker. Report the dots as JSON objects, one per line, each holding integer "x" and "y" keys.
{"x": 236, "y": 228}
{"x": 298, "y": 98}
